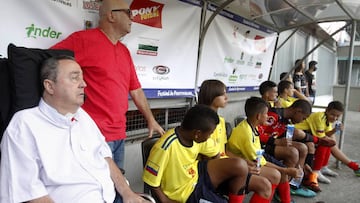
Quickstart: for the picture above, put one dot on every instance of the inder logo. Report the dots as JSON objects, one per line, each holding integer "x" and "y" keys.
{"x": 147, "y": 12}
{"x": 34, "y": 32}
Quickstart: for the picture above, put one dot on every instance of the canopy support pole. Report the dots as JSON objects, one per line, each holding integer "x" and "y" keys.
{"x": 348, "y": 84}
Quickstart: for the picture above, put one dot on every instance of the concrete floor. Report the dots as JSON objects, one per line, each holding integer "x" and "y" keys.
{"x": 346, "y": 187}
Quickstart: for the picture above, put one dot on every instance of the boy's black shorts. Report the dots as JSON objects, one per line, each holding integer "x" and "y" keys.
{"x": 204, "y": 190}
{"x": 273, "y": 160}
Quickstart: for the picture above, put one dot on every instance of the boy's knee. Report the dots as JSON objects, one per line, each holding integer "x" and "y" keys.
{"x": 275, "y": 176}
{"x": 302, "y": 148}
{"x": 264, "y": 188}
{"x": 293, "y": 154}
{"x": 240, "y": 165}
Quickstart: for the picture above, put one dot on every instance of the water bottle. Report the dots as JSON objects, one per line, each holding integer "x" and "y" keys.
{"x": 337, "y": 127}
{"x": 296, "y": 182}
{"x": 290, "y": 131}
{"x": 259, "y": 154}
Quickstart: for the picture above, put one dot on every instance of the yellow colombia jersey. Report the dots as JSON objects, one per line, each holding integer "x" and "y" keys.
{"x": 244, "y": 143}
{"x": 271, "y": 103}
{"x": 287, "y": 102}
{"x": 219, "y": 136}
{"x": 173, "y": 166}
{"x": 316, "y": 124}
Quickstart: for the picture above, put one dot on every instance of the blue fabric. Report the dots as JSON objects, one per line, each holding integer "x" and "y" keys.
{"x": 204, "y": 189}
{"x": 118, "y": 151}
{"x": 118, "y": 198}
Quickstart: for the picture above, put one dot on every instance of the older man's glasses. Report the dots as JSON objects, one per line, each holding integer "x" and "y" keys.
{"x": 127, "y": 11}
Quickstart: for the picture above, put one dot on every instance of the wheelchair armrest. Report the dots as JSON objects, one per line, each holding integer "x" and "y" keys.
{"x": 147, "y": 197}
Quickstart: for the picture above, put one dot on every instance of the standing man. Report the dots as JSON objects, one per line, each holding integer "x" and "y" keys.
{"x": 110, "y": 75}
{"x": 310, "y": 78}
{"x": 54, "y": 152}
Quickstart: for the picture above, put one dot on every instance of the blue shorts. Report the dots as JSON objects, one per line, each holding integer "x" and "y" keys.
{"x": 273, "y": 160}
{"x": 204, "y": 191}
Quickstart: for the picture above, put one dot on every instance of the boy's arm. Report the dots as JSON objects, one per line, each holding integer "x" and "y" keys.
{"x": 291, "y": 171}
{"x": 300, "y": 95}
{"x": 333, "y": 131}
{"x": 120, "y": 183}
{"x": 161, "y": 195}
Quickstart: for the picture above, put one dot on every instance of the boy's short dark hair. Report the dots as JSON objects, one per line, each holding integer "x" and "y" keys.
{"x": 337, "y": 105}
{"x": 303, "y": 105}
{"x": 266, "y": 86}
{"x": 200, "y": 117}
{"x": 284, "y": 84}
{"x": 254, "y": 105}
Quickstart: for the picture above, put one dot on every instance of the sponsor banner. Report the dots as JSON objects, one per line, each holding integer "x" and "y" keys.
{"x": 169, "y": 93}
{"x": 241, "y": 89}
{"x": 41, "y": 25}
{"x": 237, "y": 52}
{"x": 163, "y": 43}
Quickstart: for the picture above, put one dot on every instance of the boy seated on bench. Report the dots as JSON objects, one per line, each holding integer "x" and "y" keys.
{"x": 175, "y": 173}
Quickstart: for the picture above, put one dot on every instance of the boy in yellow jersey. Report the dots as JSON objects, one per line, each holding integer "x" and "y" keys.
{"x": 244, "y": 142}
{"x": 286, "y": 92}
{"x": 320, "y": 125}
{"x": 176, "y": 175}
{"x": 213, "y": 94}
{"x": 295, "y": 152}
{"x": 269, "y": 93}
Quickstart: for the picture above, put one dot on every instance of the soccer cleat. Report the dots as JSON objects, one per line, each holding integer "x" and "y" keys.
{"x": 303, "y": 192}
{"x": 312, "y": 183}
{"x": 357, "y": 173}
{"x": 322, "y": 179}
{"x": 328, "y": 172}
{"x": 277, "y": 198}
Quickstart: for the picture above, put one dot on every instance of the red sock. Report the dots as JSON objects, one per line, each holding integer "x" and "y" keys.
{"x": 236, "y": 198}
{"x": 321, "y": 157}
{"x": 256, "y": 198}
{"x": 353, "y": 165}
{"x": 273, "y": 187}
{"x": 284, "y": 192}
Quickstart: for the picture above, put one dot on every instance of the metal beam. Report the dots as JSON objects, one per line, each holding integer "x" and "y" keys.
{"x": 348, "y": 83}
{"x": 318, "y": 45}
{"x": 204, "y": 26}
{"x": 341, "y": 5}
{"x": 282, "y": 44}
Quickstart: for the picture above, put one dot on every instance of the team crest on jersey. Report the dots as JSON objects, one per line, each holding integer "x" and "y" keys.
{"x": 191, "y": 172}
{"x": 271, "y": 120}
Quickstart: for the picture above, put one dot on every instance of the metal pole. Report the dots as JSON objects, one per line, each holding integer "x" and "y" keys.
{"x": 287, "y": 39}
{"x": 348, "y": 83}
{"x": 204, "y": 26}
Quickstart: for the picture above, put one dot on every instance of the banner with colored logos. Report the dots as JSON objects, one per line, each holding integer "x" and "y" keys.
{"x": 163, "y": 41}
{"x": 164, "y": 45}
{"x": 236, "y": 51}
{"x": 40, "y": 25}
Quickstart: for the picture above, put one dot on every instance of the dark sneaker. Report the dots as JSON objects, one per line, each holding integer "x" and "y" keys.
{"x": 276, "y": 198}
{"x": 357, "y": 173}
